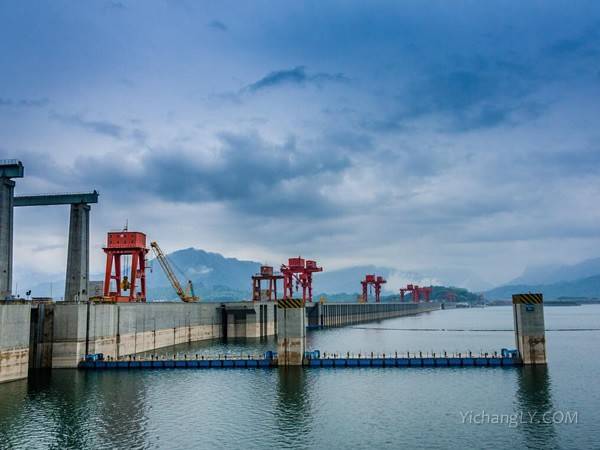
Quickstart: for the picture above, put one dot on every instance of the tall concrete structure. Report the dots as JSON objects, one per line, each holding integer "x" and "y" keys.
{"x": 530, "y": 336}
{"x": 78, "y": 256}
{"x": 78, "y": 251}
{"x": 291, "y": 332}
{"x": 9, "y": 168}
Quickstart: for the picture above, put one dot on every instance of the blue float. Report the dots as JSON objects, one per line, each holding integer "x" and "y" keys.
{"x": 92, "y": 362}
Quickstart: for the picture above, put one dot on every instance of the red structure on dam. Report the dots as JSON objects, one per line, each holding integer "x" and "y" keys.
{"x": 298, "y": 273}
{"x": 131, "y": 245}
{"x": 372, "y": 280}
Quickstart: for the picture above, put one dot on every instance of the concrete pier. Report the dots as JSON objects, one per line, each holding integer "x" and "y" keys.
{"x": 8, "y": 169}
{"x": 14, "y": 341}
{"x": 7, "y": 187}
{"x": 291, "y": 332}
{"x": 76, "y": 286}
{"x": 530, "y": 336}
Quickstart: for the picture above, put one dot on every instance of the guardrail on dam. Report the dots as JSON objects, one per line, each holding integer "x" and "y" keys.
{"x": 59, "y": 335}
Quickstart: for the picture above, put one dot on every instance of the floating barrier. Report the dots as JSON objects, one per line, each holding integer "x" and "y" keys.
{"x": 507, "y": 358}
{"x": 176, "y": 363}
{"x": 490, "y": 361}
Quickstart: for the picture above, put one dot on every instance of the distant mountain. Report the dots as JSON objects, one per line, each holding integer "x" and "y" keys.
{"x": 348, "y": 280}
{"x": 439, "y": 293}
{"x": 584, "y": 287}
{"x": 219, "y": 278}
{"x": 212, "y": 271}
{"x": 549, "y": 274}
{"x": 457, "y": 276}
{"x": 205, "y": 269}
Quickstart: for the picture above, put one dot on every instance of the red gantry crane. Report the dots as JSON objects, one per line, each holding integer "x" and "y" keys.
{"x": 266, "y": 274}
{"x": 126, "y": 244}
{"x": 298, "y": 272}
{"x": 372, "y": 280}
{"x": 416, "y": 292}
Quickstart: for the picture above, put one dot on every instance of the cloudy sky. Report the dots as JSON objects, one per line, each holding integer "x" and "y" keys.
{"x": 415, "y": 135}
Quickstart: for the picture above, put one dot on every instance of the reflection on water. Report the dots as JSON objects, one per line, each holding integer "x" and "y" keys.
{"x": 13, "y": 403}
{"x": 292, "y": 409}
{"x": 121, "y": 407}
{"x": 534, "y": 401}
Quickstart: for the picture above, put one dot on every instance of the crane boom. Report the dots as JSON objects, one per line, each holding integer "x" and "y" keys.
{"x": 164, "y": 263}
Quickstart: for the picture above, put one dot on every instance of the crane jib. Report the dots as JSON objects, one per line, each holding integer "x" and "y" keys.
{"x": 166, "y": 266}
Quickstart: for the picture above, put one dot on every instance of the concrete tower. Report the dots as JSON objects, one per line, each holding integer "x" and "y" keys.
{"x": 528, "y": 313}
{"x": 9, "y": 168}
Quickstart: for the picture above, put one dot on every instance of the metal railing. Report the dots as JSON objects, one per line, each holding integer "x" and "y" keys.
{"x": 9, "y": 162}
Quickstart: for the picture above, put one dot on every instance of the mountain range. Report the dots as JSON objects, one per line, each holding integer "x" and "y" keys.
{"x": 220, "y": 278}
{"x": 554, "y": 281}
{"x": 551, "y": 274}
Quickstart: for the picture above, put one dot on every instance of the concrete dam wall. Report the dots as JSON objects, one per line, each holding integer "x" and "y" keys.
{"x": 341, "y": 314}
{"x": 72, "y": 330}
{"x": 59, "y": 335}
{"x": 14, "y": 341}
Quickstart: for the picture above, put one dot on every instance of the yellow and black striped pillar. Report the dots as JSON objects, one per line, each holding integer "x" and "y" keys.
{"x": 291, "y": 332}
{"x": 530, "y": 335}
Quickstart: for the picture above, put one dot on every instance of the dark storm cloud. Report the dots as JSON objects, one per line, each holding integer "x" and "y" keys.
{"x": 102, "y": 127}
{"x": 583, "y": 44}
{"x": 248, "y": 173}
{"x": 482, "y": 95}
{"x": 97, "y": 126}
{"x": 217, "y": 25}
{"x": 24, "y": 102}
{"x": 115, "y": 5}
{"x": 296, "y": 76}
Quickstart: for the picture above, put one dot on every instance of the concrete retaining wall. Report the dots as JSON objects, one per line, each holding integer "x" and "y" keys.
{"x": 59, "y": 335}
{"x": 124, "y": 329}
{"x": 14, "y": 341}
{"x": 341, "y": 314}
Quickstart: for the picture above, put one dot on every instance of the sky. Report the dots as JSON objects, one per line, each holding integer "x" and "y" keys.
{"x": 417, "y": 135}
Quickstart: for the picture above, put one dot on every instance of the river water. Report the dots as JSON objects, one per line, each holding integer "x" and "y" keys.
{"x": 430, "y": 408}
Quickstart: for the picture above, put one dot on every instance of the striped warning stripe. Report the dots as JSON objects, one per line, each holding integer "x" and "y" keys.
{"x": 290, "y": 303}
{"x": 528, "y": 299}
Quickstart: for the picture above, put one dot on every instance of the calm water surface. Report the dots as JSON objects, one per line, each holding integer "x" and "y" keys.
{"x": 329, "y": 408}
